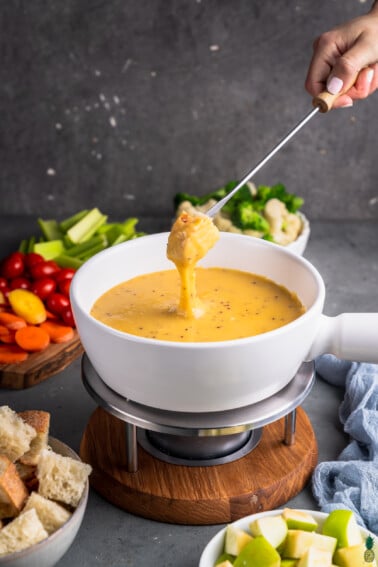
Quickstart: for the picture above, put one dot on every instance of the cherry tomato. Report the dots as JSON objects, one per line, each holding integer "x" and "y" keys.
{"x": 57, "y": 302}
{"x": 43, "y": 287}
{"x": 13, "y": 266}
{"x": 68, "y": 317}
{"x": 44, "y": 269}
{"x": 20, "y": 283}
{"x": 3, "y": 283}
{"x": 32, "y": 258}
{"x": 65, "y": 274}
{"x": 64, "y": 287}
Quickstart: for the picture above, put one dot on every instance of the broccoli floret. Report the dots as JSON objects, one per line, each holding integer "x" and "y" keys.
{"x": 244, "y": 216}
{"x": 278, "y": 191}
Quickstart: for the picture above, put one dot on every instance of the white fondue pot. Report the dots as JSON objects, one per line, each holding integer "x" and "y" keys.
{"x": 213, "y": 376}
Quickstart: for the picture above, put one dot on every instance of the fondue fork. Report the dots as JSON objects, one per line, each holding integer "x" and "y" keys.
{"x": 323, "y": 103}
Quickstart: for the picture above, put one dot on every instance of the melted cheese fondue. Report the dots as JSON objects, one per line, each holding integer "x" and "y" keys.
{"x": 196, "y": 304}
{"x": 234, "y": 304}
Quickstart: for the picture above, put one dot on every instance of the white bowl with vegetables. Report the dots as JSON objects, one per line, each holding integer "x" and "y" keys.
{"x": 267, "y": 212}
{"x": 292, "y": 538}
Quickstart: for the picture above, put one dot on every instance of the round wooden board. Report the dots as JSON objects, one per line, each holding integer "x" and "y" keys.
{"x": 264, "y": 479}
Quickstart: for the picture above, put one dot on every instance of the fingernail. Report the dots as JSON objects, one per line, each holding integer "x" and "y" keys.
{"x": 370, "y": 75}
{"x": 334, "y": 85}
{"x": 347, "y": 105}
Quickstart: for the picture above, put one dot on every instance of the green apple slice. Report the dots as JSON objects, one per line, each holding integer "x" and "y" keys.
{"x": 315, "y": 558}
{"x": 273, "y": 528}
{"x": 352, "y": 556}
{"x": 299, "y": 520}
{"x": 235, "y": 540}
{"x": 225, "y": 563}
{"x": 342, "y": 525}
{"x": 258, "y": 553}
{"x": 299, "y": 541}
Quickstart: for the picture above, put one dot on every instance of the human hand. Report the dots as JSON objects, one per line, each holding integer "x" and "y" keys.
{"x": 345, "y": 60}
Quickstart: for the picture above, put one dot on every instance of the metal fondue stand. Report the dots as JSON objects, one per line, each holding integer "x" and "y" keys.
{"x": 170, "y": 442}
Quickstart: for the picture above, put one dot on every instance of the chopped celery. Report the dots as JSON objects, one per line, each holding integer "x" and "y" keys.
{"x": 50, "y": 229}
{"x": 69, "y": 262}
{"x": 73, "y": 240}
{"x": 84, "y": 247}
{"x": 32, "y": 241}
{"x": 86, "y": 227}
{"x": 67, "y": 223}
{"x": 49, "y": 250}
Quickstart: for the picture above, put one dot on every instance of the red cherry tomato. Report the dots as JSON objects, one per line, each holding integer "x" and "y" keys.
{"x": 57, "y": 302}
{"x": 3, "y": 283}
{"x": 65, "y": 274}
{"x": 43, "y": 287}
{"x": 20, "y": 283}
{"x": 68, "y": 317}
{"x": 64, "y": 287}
{"x": 13, "y": 266}
{"x": 44, "y": 269}
{"x": 32, "y": 258}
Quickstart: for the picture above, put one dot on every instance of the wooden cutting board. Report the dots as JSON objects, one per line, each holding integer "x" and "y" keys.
{"x": 40, "y": 366}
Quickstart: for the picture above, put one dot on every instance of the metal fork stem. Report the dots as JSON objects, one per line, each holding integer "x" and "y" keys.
{"x": 217, "y": 207}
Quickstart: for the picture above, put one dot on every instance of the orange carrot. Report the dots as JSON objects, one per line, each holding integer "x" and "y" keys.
{"x": 52, "y": 316}
{"x": 8, "y": 338}
{"x": 11, "y": 354}
{"x": 4, "y": 330}
{"x": 32, "y": 338}
{"x": 58, "y": 333}
{"x": 11, "y": 321}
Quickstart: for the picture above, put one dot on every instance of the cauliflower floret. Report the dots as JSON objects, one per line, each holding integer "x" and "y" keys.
{"x": 285, "y": 227}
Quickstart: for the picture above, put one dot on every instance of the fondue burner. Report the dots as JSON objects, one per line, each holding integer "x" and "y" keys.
{"x": 126, "y": 443}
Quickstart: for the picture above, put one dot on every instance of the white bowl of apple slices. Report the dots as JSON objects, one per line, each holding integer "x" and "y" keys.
{"x": 292, "y": 538}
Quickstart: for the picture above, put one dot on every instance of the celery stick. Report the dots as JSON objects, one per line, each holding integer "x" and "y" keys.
{"x": 128, "y": 226}
{"x": 50, "y": 229}
{"x": 84, "y": 247}
{"x": 49, "y": 250}
{"x": 86, "y": 227}
{"x": 23, "y": 247}
{"x": 120, "y": 238}
{"x": 68, "y": 262}
{"x": 32, "y": 241}
{"x": 92, "y": 252}
{"x": 67, "y": 223}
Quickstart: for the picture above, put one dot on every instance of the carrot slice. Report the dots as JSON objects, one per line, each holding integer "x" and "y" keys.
{"x": 32, "y": 339}
{"x": 11, "y": 354}
{"x": 8, "y": 338}
{"x": 12, "y": 321}
{"x": 58, "y": 333}
{"x": 4, "y": 330}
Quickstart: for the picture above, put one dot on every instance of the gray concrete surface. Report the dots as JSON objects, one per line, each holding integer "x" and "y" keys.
{"x": 121, "y": 104}
{"x": 346, "y": 255}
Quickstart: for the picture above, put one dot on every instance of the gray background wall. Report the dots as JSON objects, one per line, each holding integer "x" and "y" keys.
{"x": 120, "y": 104}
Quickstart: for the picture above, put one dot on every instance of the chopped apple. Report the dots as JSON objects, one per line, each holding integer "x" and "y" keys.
{"x": 289, "y": 562}
{"x": 226, "y": 563}
{"x": 299, "y": 541}
{"x": 342, "y": 525}
{"x": 315, "y": 558}
{"x": 224, "y": 557}
{"x": 353, "y": 556}
{"x": 273, "y": 528}
{"x": 299, "y": 520}
{"x": 258, "y": 553}
{"x": 235, "y": 540}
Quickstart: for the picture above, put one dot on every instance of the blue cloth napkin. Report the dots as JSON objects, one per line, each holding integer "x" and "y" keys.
{"x": 351, "y": 482}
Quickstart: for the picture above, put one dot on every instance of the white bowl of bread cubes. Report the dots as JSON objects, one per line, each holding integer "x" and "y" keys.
{"x": 43, "y": 491}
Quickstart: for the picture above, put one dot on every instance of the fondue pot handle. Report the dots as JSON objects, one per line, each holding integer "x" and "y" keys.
{"x": 349, "y": 336}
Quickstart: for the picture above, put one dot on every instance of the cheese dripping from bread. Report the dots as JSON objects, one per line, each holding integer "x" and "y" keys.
{"x": 190, "y": 239}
